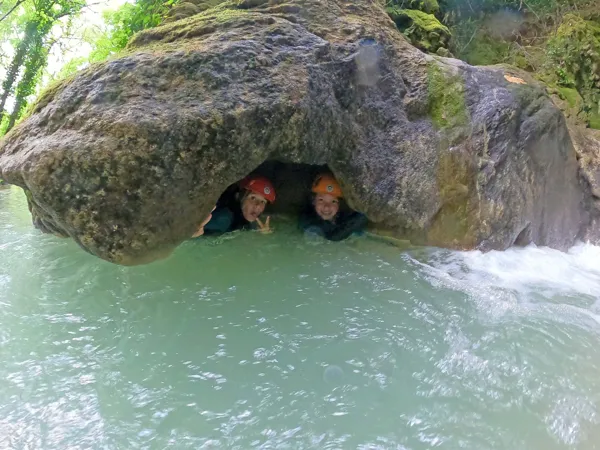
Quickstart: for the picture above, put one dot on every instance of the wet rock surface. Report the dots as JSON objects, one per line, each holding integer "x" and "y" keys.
{"x": 129, "y": 156}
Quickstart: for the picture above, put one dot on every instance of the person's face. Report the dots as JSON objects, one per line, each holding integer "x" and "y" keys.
{"x": 326, "y": 206}
{"x": 253, "y": 206}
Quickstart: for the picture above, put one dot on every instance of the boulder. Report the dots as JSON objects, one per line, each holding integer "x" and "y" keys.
{"x": 127, "y": 157}
{"x": 587, "y": 147}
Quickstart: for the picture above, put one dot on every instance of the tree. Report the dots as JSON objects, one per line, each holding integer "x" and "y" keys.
{"x": 28, "y": 25}
{"x": 16, "y": 65}
{"x": 36, "y": 61}
{"x": 31, "y": 54}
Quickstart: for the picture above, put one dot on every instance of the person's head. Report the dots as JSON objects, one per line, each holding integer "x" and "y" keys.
{"x": 257, "y": 192}
{"x": 327, "y": 195}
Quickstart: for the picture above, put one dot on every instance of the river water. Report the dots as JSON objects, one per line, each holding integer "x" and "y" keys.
{"x": 286, "y": 342}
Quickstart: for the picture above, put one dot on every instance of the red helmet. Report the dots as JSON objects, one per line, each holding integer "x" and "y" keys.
{"x": 261, "y": 186}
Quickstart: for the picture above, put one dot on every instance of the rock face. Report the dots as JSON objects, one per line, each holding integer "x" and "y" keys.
{"x": 129, "y": 156}
{"x": 587, "y": 147}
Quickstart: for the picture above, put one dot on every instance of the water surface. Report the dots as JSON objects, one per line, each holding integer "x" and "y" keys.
{"x": 286, "y": 342}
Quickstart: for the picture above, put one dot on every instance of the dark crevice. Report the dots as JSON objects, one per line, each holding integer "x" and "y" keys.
{"x": 292, "y": 183}
{"x": 524, "y": 238}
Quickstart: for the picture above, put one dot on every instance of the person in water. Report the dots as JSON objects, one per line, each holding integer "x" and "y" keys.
{"x": 200, "y": 231}
{"x": 242, "y": 211}
{"x": 323, "y": 215}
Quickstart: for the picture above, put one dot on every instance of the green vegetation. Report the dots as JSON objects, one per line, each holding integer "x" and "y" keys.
{"x": 35, "y": 28}
{"x": 446, "y": 94}
{"x": 27, "y": 27}
{"x": 424, "y": 30}
{"x": 575, "y": 55}
{"x": 558, "y": 41}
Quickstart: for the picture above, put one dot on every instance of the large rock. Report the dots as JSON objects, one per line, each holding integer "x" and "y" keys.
{"x": 587, "y": 147}
{"x": 129, "y": 156}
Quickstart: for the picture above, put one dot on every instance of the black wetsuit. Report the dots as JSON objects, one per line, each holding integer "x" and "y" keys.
{"x": 343, "y": 225}
{"x": 228, "y": 217}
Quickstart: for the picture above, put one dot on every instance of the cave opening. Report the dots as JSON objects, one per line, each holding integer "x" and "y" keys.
{"x": 292, "y": 183}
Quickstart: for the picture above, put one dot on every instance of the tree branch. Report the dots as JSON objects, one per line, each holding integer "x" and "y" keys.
{"x": 11, "y": 10}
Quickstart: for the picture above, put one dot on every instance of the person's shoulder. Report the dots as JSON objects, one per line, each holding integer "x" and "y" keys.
{"x": 307, "y": 217}
{"x": 222, "y": 218}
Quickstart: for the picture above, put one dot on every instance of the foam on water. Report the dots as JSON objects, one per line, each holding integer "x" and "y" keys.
{"x": 523, "y": 280}
{"x": 525, "y": 270}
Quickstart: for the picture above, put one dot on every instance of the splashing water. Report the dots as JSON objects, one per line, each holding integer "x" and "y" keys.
{"x": 280, "y": 341}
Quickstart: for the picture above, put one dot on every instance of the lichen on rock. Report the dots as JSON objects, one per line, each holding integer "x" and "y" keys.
{"x": 128, "y": 156}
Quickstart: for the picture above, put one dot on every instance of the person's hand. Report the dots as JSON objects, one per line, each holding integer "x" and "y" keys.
{"x": 200, "y": 231}
{"x": 264, "y": 227}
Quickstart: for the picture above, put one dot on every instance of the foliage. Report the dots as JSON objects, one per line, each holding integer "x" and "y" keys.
{"x": 427, "y": 6}
{"x": 574, "y": 54}
{"x": 29, "y": 24}
{"x": 557, "y": 40}
{"x": 423, "y": 30}
{"x": 131, "y": 18}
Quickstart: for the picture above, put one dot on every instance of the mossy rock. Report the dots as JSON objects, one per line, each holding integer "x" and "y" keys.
{"x": 427, "y": 6}
{"x": 182, "y": 10}
{"x": 227, "y": 14}
{"x": 571, "y": 96}
{"x": 446, "y": 98}
{"x": 203, "y": 5}
{"x": 423, "y": 30}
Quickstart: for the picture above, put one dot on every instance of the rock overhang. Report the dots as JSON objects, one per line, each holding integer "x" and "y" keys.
{"x": 130, "y": 155}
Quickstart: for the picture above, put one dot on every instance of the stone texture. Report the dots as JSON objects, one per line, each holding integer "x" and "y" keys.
{"x": 129, "y": 156}
{"x": 587, "y": 147}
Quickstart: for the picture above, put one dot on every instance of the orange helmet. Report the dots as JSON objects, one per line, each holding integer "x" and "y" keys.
{"x": 327, "y": 184}
{"x": 261, "y": 186}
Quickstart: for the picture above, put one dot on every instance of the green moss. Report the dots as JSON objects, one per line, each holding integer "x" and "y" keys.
{"x": 55, "y": 87}
{"x": 485, "y": 51}
{"x": 571, "y": 96}
{"x": 423, "y": 30}
{"x": 430, "y": 6}
{"x": 594, "y": 121}
{"x": 226, "y": 14}
{"x": 428, "y": 22}
{"x": 47, "y": 95}
{"x": 446, "y": 98}
{"x": 427, "y": 6}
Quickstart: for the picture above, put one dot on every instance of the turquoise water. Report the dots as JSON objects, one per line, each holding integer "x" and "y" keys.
{"x": 283, "y": 342}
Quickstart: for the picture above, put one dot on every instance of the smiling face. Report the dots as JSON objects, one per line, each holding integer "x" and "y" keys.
{"x": 326, "y": 206}
{"x": 253, "y": 206}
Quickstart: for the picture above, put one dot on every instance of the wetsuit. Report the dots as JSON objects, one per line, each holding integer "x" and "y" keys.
{"x": 343, "y": 225}
{"x": 226, "y": 218}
